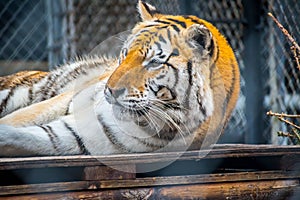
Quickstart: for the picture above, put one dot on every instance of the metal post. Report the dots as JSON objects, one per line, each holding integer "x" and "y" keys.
{"x": 57, "y": 23}
{"x": 253, "y": 73}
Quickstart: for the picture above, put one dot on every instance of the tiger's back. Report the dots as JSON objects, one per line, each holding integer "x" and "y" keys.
{"x": 174, "y": 87}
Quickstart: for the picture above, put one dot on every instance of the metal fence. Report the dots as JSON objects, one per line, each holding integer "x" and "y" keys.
{"x": 23, "y": 35}
{"x": 282, "y": 85}
{"x": 40, "y": 34}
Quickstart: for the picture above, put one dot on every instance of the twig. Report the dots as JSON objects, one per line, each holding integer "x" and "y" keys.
{"x": 295, "y": 47}
{"x": 296, "y": 132}
{"x": 296, "y": 53}
{"x": 296, "y": 56}
{"x": 270, "y": 113}
{"x": 285, "y": 134}
{"x": 288, "y": 122}
{"x": 292, "y": 137}
{"x": 285, "y": 32}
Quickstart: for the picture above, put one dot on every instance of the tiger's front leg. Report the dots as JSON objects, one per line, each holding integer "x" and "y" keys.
{"x": 38, "y": 140}
{"x": 39, "y": 113}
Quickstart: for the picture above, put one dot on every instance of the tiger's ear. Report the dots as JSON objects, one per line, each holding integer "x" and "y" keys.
{"x": 146, "y": 10}
{"x": 199, "y": 36}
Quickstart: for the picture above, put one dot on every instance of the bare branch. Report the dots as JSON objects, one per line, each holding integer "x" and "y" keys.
{"x": 296, "y": 132}
{"x": 270, "y": 113}
{"x": 288, "y": 122}
{"x": 295, "y": 47}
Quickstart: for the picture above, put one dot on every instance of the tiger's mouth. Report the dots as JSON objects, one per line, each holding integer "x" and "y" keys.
{"x": 129, "y": 113}
{"x": 151, "y": 117}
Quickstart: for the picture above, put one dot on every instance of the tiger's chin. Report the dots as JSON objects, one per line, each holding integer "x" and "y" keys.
{"x": 129, "y": 114}
{"x": 148, "y": 122}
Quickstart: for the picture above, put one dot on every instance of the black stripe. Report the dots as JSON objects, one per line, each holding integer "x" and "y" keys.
{"x": 112, "y": 138}
{"x": 161, "y": 27}
{"x": 78, "y": 139}
{"x": 200, "y": 100}
{"x": 151, "y": 12}
{"x": 158, "y": 45}
{"x": 175, "y": 28}
{"x": 161, "y": 38}
{"x": 175, "y": 52}
{"x": 161, "y": 76}
{"x": 218, "y": 53}
{"x": 169, "y": 34}
{"x": 4, "y": 101}
{"x": 190, "y": 77}
{"x": 163, "y": 22}
{"x": 181, "y": 23}
{"x": 30, "y": 94}
{"x": 211, "y": 48}
{"x": 52, "y": 136}
{"x": 151, "y": 25}
{"x": 44, "y": 89}
{"x": 193, "y": 19}
{"x": 144, "y": 31}
{"x": 190, "y": 72}
{"x": 67, "y": 111}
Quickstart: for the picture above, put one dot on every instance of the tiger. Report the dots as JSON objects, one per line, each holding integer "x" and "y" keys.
{"x": 173, "y": 87}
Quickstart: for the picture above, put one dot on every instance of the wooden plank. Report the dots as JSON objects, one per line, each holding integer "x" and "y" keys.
{"x": 151, "y": 182}
{"x": 120, "y": 159}
{"x": 133, "y": 194}
{"x": 282, "y": 189}
{"x": 109, "y": 173}
{"x": 278, "y": 190}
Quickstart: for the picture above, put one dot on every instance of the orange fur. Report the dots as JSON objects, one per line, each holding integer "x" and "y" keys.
{"x": 224, "y": 82}
{"x": 21, "y": 78}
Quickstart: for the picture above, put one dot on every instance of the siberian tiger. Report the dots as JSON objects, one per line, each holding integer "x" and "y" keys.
{"x": 174, "y": 84}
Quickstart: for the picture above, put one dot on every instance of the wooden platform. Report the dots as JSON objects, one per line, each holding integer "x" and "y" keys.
{"x": 226, "y": 172}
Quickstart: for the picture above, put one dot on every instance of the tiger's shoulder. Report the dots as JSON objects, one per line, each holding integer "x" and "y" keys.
{"x": 25, "y": 88}
{"x": 21, "y": 78}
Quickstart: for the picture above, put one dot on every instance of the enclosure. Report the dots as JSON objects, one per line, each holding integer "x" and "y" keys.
{"x": 41, "y": 34}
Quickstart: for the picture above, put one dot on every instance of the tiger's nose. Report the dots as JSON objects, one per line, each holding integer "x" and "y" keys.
{"x": 111, "y": 95}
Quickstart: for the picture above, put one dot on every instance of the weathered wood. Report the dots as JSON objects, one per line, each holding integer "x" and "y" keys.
{"x": 81, "y": 160}
{"x": 241, "y": 172}
{"x": 241, "y": 190}
{"x": 152, "y": 182}
{"x": 109, "y": 173}
{"x": 246, "y": 190}
{"x": 132, "y": 194}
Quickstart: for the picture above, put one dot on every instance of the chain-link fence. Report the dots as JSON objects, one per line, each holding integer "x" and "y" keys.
{"x": 23, "y": 35}
{"x": 282, "y": 88}
{"x": 43, "y": 33}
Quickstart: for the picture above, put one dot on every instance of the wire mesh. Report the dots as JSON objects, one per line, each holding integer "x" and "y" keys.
{"x": 283, "y": 82}
{"x": 37, "y": 34}
{"x": 96, "y": 20}
{"x": 22, "y": 35}
{"x": 227, "y": 16}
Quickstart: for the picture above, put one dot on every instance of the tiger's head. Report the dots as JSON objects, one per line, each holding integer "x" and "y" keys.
{"x": 162, "y": 82}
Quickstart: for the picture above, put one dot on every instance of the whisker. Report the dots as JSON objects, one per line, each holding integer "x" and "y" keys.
{"x": 164, "y": 115}
{"x": 147, "y": 117}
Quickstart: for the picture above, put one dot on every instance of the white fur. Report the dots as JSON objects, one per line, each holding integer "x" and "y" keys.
{"x": 89, "y": 105}
{"x": 18, "y": 98}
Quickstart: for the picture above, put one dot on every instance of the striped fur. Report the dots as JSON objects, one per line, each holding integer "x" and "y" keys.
{"x": 173, "y": 87}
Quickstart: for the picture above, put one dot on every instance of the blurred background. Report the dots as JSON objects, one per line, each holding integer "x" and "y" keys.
{"x": 41, "y": 34}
